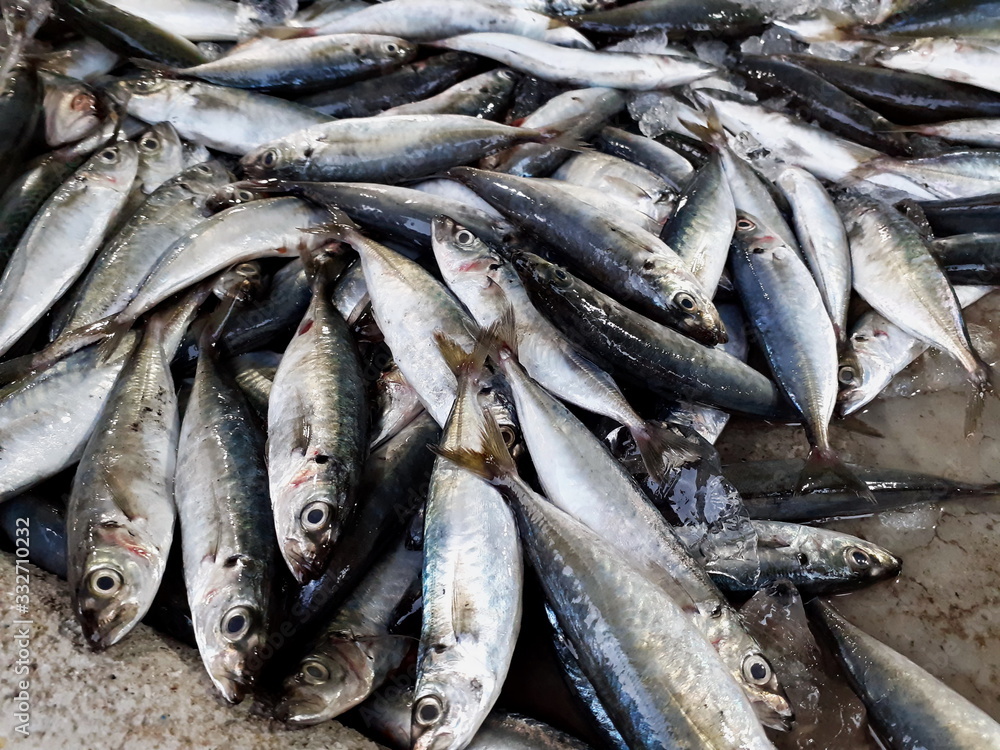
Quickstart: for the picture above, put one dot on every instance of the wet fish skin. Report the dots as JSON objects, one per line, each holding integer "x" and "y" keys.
{"x": 962, "y": 215}
{"x": 22, "y": 19}
{"x": 896, "y": 274}
{"x": 230, "y": 120}
{"x": 821, "y": 102}
{"x": 646, "y": 152}
{"x": 614, "y": 614}
{"x": 398, "y": 405}
{"x": 254, "y": 374}
{"x": 472, "y": 579}
{"x": 484, "y": 95}
{"x": 357, "y": 650}
{"x": 581, "y": 67}
{"x": 969, "y": 258}
{"x": 121, "y": 510}
{"x": 974, "y": 131}
{"x": 383, "y": 149}
{"x": 62, "y": 239}
{"x": 878, "y": 350}
{"x": 768, "y": 490}
{"x": 817, "y": 561}
{"x": 719, "y": 17}
{"x": 823, "y": 241}
{"x": 301, "y": 64}
{"x": 227, "y": 532}
{"x": 908, "y": 705}
{"x": 703, "y": 224}
{"x": 317, "y": 431}
{"x": 966, "y": 18}
{"x": 905, "y": 98}
{"x": 127, "y": 34}
{"x": 640, "y": 268}
{"x": 959, "y": 60}
{"x": 635, "y": 347}
{"x": 45, "y": 517}
{"x": 195, "y": 20}
{"x": 407, "y": 84}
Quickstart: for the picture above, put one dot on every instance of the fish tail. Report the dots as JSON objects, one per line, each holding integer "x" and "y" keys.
{"x": 322, "y": 266}
{"x": 500, "y": 336}
{"x": 712, "y": 134}
{"x": 464, "y": 365}
{"x": 662, "y": 450}
{"x": 339, "y": 227}
{"x": 492, "y": 462}
{"x": 117, "y": 328}
{"x": 562, "y": 134}
{"x": 824, "y": 470}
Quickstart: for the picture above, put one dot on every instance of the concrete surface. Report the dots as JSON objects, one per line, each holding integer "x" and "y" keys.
{"x": 147, "y": 692}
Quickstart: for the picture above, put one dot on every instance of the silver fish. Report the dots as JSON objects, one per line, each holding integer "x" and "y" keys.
{"x": 71, "y": 109}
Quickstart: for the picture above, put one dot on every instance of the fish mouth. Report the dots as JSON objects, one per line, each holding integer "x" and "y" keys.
{"x": 704, "y": 330}
{"x": 101, "y": 631}
{"x": 233, "y": 685}
{"x": 305, "y": 566}
{"x": 422, "y": 739}
{"x": 302, "y": 710}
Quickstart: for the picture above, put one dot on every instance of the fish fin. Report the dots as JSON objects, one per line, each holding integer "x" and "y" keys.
{"x": 712, "y": 134}
{"x": 323, "y": 265}
{"x": 857, "y": 426}
{"x": 983, "y": 385}
{"x": 166, "y": 71}
{"x": 118, "y": 327}
{"x": 562, "y": 134}
{"x": 339, "y": 227}
{"x": 501, "y": 335}
{"x": 492, "y": 462}
{"x": 662, "y": 450}
{"x": 459, "y": 361}
{"x": 825, "y": 470}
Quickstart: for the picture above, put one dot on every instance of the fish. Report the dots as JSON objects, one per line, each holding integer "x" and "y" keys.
{"x": 578, "y": 473}
{"x": 581, "y": 67}
{"x": 254, "y": 374}
{"x": 981, "y": 131}
{"x": 960, "y": 60}
{"x": 896, "y": 274}
{"x": 786, "y": 308}
{"x": 487, "y": 285}
{"x": 129, "y": 35}
{"x": 21, "y": 20}
{"x": 195, "y": 20}
{"x": 703, "y": 224}
{"x": 816, "y": 561}
{"x": 826, "y": 711}
{"x": 635, "y": 264}
{"x": 20, "y": 110}
{"x": 720, "y": 17}
{"x": 909, "y": 706}
{"x": 304, "y": 63}
{"x": 956, "y": 174}
{"x": 384, "y": 149}
{"x": 962, "y": 215}
{"x": 407, "y": 84}
{"x": 120, "y": 515}
{"x": 823, "y": 241}
{"x": 768, "y": 490}
{"x": 968, "y": 18}
{"x": 659, "y": 159}
{"x": 968, "y": 258}
{"x": 472, "y": 579}
{"x": 357, "y": 649}
{"x": 230, "y": 120}
{"x": 62, "y": 239}
{"x": 878, "y": 350}
{"x": 71, "y": 109}
{"x": 634, "y": 347}
{"x": 616, "y": 617}
{"x": 317, "y": 430}
{"x": 227, "y": 533}
{"x": 398, "y": 405}
{"x": 484, "y": 95}
{"x": 253, "y": 15}
{"x": 85, "y": 59}
{"x": 630, "y": 184}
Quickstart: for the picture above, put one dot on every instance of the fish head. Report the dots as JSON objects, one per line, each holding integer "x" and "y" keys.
{"x": 159, "y": 145}
{"x": 307, "y": 535}
{"x": 230, "y": 619}
{"x": 270, "y": 160}
{"x": 390, "y": 51}
{"x": 868, "y": 562}
{"x": 233, "y": 194}
{"x": 116, "y": 584}
{"x": 767, "y": 697}
{"x": 146, "y": 89}
{"x": 334, "y": 678}
{"x": 685, "y": 304}
{"x": 449, "y": 703}
{"x": 462, "y": 257}
{"x": 242, "y": 283}
{"x": 539, "y": 275}
{"x": 853, "y": 379}
{"x": 71, "y": 109}
{"x": 113, "y": 167}
{"x": 204, "y": 179}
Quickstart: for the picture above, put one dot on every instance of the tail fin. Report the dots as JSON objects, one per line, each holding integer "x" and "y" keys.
{"x": 117, "y": 327}
{"x": 492, "y": 462}
{"x": 462, "y": 363}
{"x": 501, "y": 335}
{"x": 562, "y": 134}
{"x": 825, "y": 471}
{"x": 661, "y": 449}
{"x": 712, "y": 134}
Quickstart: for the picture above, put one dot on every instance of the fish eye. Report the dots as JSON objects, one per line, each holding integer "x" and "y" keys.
{"x": 269, "y": 158}
{"x": 508, "y": 435}
{"x": 235, "y": 623}
{"x": 244, "y": 195}
{"x": 756, "y": 669}
{"x": 105, "y": 582}
{"x": 149, "y": 144}
{"x": 108, "y": 155}
{"x": 315, "y": 516}
{"x": 204, "y": 169}
{"x": 82, "y": 102}
{"x": 560, "y": 274}
{"x": 464, "y": 237}
{"x": 757, "y": 250}
{"x": 846, "y": 375}
{"x": 428, "y": 710}
{"x": 392, "y": 48}
{"x": 507, "y": 75}
{"x": 745, "y": 225}
{"x": 858, "y": 559}
{"x": 686, "y": 301}
{"x": 314, "y": 672}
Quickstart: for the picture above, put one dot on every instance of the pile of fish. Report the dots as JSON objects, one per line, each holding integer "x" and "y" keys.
{"x": 354, "y": 329}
